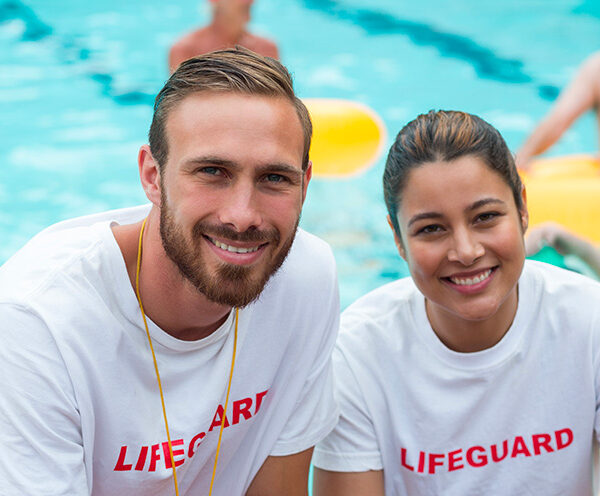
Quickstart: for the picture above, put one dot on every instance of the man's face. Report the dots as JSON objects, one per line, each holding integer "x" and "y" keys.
{"x": 231, "y": 191}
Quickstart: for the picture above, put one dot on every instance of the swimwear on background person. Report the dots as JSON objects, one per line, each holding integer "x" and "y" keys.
{"x": 479, "y": 374}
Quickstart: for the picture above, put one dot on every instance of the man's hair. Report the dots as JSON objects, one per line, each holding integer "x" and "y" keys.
{"x": 444, "y": 136}
{"x": 236, "y": 70}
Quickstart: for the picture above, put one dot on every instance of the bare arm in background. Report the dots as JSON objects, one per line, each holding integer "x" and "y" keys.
{"x": 328, "y": 483}
{"x": 564, "y": 242}
{"x": 282, "y": 475}
{"x": 582, "y": 94}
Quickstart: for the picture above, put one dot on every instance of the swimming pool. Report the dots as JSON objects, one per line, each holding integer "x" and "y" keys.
{"x": 77, "y": 79}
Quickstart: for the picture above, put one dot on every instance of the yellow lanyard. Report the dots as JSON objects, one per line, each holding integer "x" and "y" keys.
{"x": 162, "y": 398}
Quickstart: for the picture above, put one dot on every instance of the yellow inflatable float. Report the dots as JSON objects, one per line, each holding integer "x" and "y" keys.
{"x": 566, "y": 190}
{"x": 348, "y": 137}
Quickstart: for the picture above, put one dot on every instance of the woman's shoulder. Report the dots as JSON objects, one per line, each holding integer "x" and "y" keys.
{"x": 381, "y": 314}
{"x": 555, "y": 280}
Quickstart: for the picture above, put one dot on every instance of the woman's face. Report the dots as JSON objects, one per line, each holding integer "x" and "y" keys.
{"x": 462, "y": 237}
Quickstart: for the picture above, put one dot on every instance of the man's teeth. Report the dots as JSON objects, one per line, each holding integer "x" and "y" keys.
{"x": 468, "y": 281}
{"x": 234, "y": 249}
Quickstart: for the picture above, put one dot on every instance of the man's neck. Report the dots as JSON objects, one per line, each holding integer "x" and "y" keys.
{"x": 168, "y": 298}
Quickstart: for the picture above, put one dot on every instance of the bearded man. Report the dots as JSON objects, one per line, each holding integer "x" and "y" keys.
{"x": 182, "y": 347}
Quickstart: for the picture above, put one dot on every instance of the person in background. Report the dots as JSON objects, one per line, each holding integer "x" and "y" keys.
{"x": 564, "y": 242}
{"x": 227, "y": 29}
{"x": 479, "y": 374}
{"x": 582, "y": 94}
{"x": 184, "y": 344}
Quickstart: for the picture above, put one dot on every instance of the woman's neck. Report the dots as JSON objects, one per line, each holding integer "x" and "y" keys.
{"x": 467, "y": 336}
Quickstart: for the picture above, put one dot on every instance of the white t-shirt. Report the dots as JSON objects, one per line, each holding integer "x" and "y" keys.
{"x": 80, "y": 410}
{"x": 515, "y": 419}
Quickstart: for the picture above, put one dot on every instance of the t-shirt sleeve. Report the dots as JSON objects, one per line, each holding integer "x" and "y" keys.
{"x": 352, "y": 445}
{"x": 40, "y": 434}
{"x": 595, "y": 332}
{"x": 316, "y": 411}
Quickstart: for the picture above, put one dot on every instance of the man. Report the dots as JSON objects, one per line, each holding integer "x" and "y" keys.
{"x": 242, "y": 348}
{"x": 227, "y": 29}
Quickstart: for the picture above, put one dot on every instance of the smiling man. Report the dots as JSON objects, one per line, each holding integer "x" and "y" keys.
{"x": 182, "y": 347}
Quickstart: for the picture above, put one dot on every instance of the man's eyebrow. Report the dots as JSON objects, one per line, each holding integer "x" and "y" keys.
{"x": 274, "y": 168}
{"x": 281, "y": 168}
{"x": 211, "y": 160}
{"x": 474, "y": 206}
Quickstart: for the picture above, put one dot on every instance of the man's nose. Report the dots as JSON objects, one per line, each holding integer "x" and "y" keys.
{"x": 240, "y": 208}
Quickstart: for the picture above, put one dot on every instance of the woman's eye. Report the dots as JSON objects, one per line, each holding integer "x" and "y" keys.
{"x": 433, "y": 228}
{"x": 486, "y": 216}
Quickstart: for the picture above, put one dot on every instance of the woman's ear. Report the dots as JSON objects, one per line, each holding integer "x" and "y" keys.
{"x": 397, "y": 239}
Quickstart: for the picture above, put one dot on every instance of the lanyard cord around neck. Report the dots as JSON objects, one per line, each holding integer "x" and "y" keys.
{"x": 138, "y": 266}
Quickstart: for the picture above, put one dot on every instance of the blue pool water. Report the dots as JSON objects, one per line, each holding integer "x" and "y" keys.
{"x": 77, "y": 79}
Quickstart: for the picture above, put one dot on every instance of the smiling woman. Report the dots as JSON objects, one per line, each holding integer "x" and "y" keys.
{"x": 475, "y": 352}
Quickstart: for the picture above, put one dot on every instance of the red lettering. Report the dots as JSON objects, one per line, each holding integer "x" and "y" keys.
{"x": 519, "y": 448}
{"x": 142, "y": 458}
{"x": 121, "y": 465}
{"x": 193, "y": 445}
{"x": 259, "y": 398}
{"x": 433, "y": 461}
{"x": 421, "y": 467}
{"x": 176, "y": 452}
{"x": 453, "y": 460}
{"x": 481, "y": 459}
{"x": 494, "y": 450}
{"x": 403, "y": 460}
{"x": 154, "y": 457}
{"x": 541, "y": 441}
{"x": 239, "y": 410}
{"x": 560, "y": 444}
{"x": 218, "y": 418}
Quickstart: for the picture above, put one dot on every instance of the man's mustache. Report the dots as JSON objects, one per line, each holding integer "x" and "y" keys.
{"x": 203, "y": 228}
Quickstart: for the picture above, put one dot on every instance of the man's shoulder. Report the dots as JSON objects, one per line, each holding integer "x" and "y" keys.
{"x": 309, "y": 254}
{"x": 307, "y": 278}
{"x": 67, "y": 250}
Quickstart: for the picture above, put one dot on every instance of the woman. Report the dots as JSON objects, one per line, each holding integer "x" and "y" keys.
{"x": 477, "y": 375}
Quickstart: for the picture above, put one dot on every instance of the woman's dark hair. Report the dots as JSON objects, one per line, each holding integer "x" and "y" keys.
{"x": 443, "y": 136}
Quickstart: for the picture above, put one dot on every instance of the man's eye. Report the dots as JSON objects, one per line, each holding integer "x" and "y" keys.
{"x": 213, "y": 171}
{"x": 275, "y": 178}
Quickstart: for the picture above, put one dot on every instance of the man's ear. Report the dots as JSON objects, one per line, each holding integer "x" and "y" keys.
{"x": 149, "y": 175}
{"x": 306, "y": 179}
{"x": 524, "y": 212}
{"x": 397, "y": 239}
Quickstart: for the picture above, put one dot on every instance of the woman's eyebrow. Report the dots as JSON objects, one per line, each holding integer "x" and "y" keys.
{"x": 485, "y": 201}
{"x": 424, "y": 215}
{"x": 474, "y": 206}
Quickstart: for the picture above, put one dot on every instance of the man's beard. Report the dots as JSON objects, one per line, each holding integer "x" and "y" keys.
{"x": 230, "y": 284}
